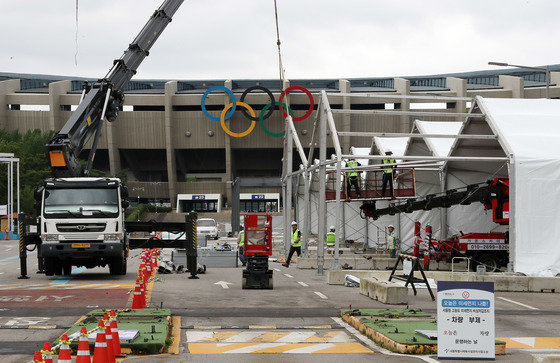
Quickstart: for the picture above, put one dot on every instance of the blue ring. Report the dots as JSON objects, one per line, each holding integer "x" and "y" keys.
{"x": 203, "y": 102}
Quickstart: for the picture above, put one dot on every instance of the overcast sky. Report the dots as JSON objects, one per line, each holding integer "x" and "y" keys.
{"x": 217, "y": 39}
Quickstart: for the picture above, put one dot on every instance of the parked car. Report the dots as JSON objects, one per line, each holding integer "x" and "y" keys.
{"x": 207, "y": 226}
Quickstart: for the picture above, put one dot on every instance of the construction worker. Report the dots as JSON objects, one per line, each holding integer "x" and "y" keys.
{"x": 392, "y": 241}
{"x": 241, "y": 245}
{"x": 352, "y": 178}
{"x": 331, "y": 237}
{"x": 388, "y": 173}
{"x": 296, "y": 244}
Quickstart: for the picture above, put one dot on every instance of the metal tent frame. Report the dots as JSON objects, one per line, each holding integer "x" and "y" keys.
{"x": 325, "y": 125}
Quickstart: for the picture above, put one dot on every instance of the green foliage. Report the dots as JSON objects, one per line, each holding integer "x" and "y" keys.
{"x": 140, "y": 212}
{"x": 34, "y": 167}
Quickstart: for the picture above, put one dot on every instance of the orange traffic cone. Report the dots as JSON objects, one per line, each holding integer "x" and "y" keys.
{"x": 138, "y": 299}
{"x": 38, "y": 357}
{"x": 83, "y": 355}
{"x": 109, "y": 337}
{"x": 47, "y": 353}
{"x": 116, "y": 339}
{"x": 100, "y": 350}
{"x": 64, "y": 350}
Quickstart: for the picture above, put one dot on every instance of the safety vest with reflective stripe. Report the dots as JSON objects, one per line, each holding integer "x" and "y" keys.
{"x": 388, "y": 169}
{"x": 295, "y": 235}
{"x": 351, "y": 164}
{"x": 241, "y": 238}
{"x": 392, "y": 240}
{"x": 331, "y": 238}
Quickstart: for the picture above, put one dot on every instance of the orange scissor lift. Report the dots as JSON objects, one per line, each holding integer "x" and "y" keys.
{"x": 258, "y": 247}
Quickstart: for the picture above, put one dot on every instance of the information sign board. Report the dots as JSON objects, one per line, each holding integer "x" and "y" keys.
{"x": 465, "y": 314}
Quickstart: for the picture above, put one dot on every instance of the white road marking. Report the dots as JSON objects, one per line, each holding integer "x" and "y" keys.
{"x": 527, "y": 341}
{"x": 370, "y": 344}
{"x": 276, "y": 269}
{"x": 518, "y": 303}
{"x": 312, "y": 348}
{"x": 223, "y": 284}
{"x": 288, "y": 275}
{"x": 243, "y": 337}
{"x": 295, "y": 337}
{"x": 253, "y": 348}
{"x": 196, "y": 336}
{"x": 320, "y": 295}
{"x": 303, "y": 284}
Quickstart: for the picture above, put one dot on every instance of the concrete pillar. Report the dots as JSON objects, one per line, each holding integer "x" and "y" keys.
{"x": 227, "y": 144}
{"x": 6, "y": 87}
{"x": 515, "y": 84}
{"x": 56, "y": 89}
{"x": 459, "y": 86}
{"x": 170, "y": 90}
{"x": 344, "y": 87}
{"x": 554, "y": 79}
{"x": 402, "y": 86}
{"x": 112, "y": 148}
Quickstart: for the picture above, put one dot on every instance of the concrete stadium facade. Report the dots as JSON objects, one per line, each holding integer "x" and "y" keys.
{"x": 168, "y": 146}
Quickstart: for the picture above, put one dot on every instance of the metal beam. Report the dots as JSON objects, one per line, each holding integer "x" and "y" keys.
{"x": 400, "y": 97}
{"x": 419, "y": 136}
{"x": 407, "y": 113}
{"x": 440, "y": 158}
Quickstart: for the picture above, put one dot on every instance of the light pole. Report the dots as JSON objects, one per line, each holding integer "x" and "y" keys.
{"x": 544, "y": 69}
{"x": 139, "y": 189}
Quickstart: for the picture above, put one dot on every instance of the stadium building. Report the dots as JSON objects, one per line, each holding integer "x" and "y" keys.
{"x": 173, "y": 153}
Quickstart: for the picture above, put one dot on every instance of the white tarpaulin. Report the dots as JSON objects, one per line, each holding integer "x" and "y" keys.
{"x": 530, "y": 130}
{"x": 440, "y": 146}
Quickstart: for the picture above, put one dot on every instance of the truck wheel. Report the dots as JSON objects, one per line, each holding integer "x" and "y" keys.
{"x": 67, "y": 268}
{"x": 489, "y": 260}
{"x": 57, "y": 266}
{"x": 124, "y": 265}
{"x": 117, "y": 265}
{"x": 49, "y": 266}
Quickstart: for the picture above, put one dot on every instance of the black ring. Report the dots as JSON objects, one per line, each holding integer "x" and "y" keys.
{"x": 265, "y": 90}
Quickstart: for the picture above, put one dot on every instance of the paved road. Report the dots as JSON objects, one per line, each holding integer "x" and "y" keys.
{"x": 220, "y": 321}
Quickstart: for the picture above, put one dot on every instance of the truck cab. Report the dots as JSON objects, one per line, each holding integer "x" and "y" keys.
{"x": 81, "y": 223}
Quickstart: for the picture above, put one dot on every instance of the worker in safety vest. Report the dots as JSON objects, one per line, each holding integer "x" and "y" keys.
{"x": 331, "y": 237}
{"x": 296, "y": 244}
{"x": 352, "y": 178}
{"x": 392, "y": 241}
{"x": 388, "y": 173}
{"x": 241, "y": 245}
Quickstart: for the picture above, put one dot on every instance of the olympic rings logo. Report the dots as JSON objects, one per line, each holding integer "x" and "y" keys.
{"x": 248, "y": 111}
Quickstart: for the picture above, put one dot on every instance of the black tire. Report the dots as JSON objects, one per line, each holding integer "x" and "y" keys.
{"x": 67, "y": 268}
{"x": 124, "y": 266}
{"x": 117, "y": 265}
{"x": 49, "y": 266}
{"x": 489, "y": 260}
{"x": 57, "y": 267}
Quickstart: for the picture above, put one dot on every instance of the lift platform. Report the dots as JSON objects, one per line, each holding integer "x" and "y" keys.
{"x": 258, "y": 247}
{"x": 371, "y": 186}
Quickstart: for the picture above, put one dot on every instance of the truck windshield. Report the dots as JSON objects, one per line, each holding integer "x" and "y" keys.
{"x": 81, "y": 203}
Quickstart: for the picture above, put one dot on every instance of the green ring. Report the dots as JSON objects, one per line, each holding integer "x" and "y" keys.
{"x": 261, "y": 118}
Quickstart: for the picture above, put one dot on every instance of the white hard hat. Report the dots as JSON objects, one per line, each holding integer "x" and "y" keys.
{"x": 332, "y": 228}
{"x": 294, "y": 223}
{"x": 391, "y": 226}
{"x": 387, "y": 151}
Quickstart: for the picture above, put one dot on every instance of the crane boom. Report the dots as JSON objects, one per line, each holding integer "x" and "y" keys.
{"x": 104, "y": 98}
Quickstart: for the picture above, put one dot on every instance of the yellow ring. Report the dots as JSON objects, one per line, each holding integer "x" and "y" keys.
{"x": 223, "y": 122}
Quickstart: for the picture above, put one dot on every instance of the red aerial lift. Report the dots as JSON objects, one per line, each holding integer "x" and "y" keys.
{"x": 258, "y": 247}
{"x": 489, "y": 249}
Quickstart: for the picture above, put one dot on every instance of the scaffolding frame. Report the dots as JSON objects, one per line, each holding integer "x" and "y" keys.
{"x": 323, "y": 126}
{"x": 10, "y": 161}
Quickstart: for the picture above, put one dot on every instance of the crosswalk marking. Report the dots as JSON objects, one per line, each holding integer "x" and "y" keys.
{"x": 532, "y": 342}
{"x": 263, "y": 348}
{"x": 236, "y": 336}
{"x": 289, "y": 276}
{"x": 322, "y": 296}
{"x": 303, "y": 284}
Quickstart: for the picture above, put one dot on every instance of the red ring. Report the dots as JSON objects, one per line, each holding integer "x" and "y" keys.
{"x": 311, "y": 104}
